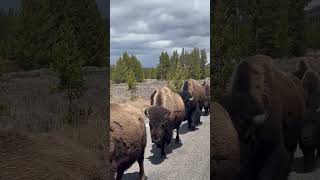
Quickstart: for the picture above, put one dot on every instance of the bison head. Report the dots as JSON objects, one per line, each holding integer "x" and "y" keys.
{"x": 158, "y": 122}
{"x": 246, "y": 114}
{"x": 188, "y": 101}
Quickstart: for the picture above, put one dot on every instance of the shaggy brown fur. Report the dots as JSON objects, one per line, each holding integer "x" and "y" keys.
{"x": 193, "y": 96}
{"x": 225, "y": 154}
{"x": 262, "y": 100}
{"x": 206, "y": 104}
{"x": 28, "y": 156}
{"x": 128, "y": 139}
{"x": 166, "y": 114}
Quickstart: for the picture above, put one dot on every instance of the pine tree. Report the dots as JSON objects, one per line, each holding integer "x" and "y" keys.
{"x": 124, "y": 65}
{"x": 203, "y": 61}
{"x": 176, "y": 78}
{"x": 68, "y": 63}
{"x": 194, "y": 65}
{"x": 137, "y": 69}
{"x": 164, "y": 66}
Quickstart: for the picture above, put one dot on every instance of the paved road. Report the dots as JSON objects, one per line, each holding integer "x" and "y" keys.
{"x": 298, "y": 174}
{"x": 189, "y": 161}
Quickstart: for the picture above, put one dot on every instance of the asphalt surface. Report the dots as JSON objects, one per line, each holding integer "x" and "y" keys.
{"x": 298, "y": 174}
{"x": 189, "y": 160}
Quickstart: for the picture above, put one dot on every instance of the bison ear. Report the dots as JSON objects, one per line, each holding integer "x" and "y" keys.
{"x": 146, "y": 112}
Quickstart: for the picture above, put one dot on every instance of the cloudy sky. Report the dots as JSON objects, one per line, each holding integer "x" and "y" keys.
{"x": 147, "y": 27}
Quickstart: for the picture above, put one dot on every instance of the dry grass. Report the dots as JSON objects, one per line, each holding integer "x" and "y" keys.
{"x": 28, "y": 101}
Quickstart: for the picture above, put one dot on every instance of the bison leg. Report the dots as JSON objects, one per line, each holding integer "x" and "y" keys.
{"x": 190, "y": 123}
{"x": 308, "y": 158}
{"x": 120, "y": 174}
{"x": 177, "y": 137}
{"x": 318, "y": 154}
{"x": 163, "y": 153}
{"x": 141, "y": 166}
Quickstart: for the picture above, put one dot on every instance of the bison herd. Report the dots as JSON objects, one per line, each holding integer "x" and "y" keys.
{"x": 261, "y": 120}
{"x": 168, "y": 110}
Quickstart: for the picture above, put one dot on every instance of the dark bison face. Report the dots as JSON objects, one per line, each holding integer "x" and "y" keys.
{"x": 158, "y": 122}
{"x": 188, "y": 100}
{"x": 246, "y": 114}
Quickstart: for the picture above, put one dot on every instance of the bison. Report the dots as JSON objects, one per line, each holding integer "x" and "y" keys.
{"x": 225, "y": 154}
{"x": 128, "y": 139}
{"x": 25, "y": 155}
{"x": 193, "y": 96}
{"x": 310, "y": 130}
{"x": 206, "y": 104}
{"x": 266, "y": 107}
{"x": 166, "y": 114}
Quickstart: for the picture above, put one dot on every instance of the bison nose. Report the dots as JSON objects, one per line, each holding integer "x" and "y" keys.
{"x": 155, "y": 139}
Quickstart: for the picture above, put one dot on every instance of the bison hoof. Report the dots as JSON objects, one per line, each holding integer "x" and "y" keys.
{"x": 192, "y": 128}
{"x": 178, "y": 141}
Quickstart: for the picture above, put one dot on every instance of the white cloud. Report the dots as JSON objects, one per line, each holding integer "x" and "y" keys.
{"x": 148, "y": 27}
{"x": 160, "y": 44}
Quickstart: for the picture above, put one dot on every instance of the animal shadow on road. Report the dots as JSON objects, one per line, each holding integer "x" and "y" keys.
{"x": 204, "y": 113}
{"x": 130, "y": 176}
{"x": 156, "y": 157}
{"x": 184, "y": 128}
{"x": 298, "y": 166}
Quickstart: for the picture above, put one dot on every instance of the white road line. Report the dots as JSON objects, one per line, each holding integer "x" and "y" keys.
{"x": 147, "y": 124}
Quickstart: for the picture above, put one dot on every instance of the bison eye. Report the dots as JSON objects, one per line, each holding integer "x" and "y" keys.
{"x": 163, "y": 126}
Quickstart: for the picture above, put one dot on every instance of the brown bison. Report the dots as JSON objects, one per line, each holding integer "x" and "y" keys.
{"x": 266, "y": 107}
{"x": 310, "y": 130}
{"x": 128, "y": 139}
{"x": 166, "y": 114}
{"x": 206, "y": 104}
{"x": 193, "y": 96}
{"x": 28, "y": 156}
{"x": 225, "y": 154}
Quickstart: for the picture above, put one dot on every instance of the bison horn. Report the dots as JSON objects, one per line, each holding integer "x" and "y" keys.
{"x": 191, "y": 99}
{"x": 146, "y": 112}
{"x": 260, "y": 119}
